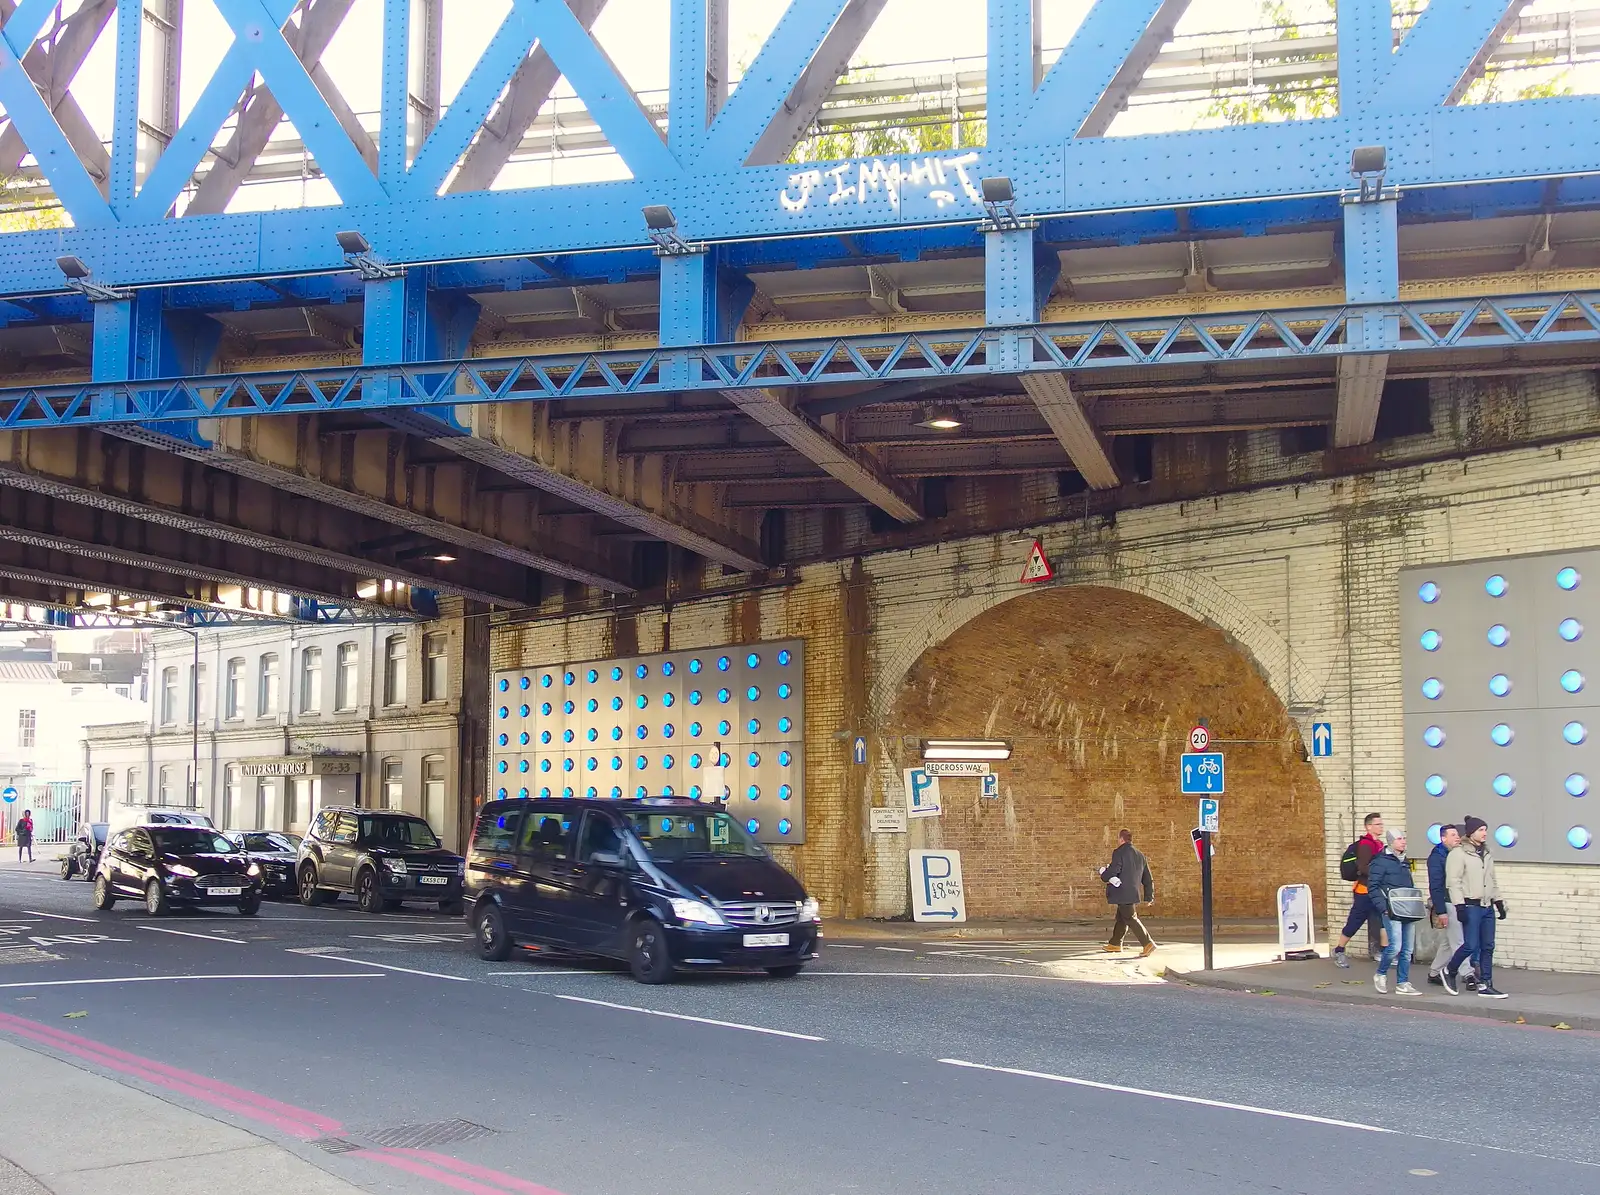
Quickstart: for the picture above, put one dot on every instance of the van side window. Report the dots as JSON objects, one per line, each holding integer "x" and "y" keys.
{"x": 599, "y": 834}
{"x": 545, "y": 836}
{"x": 497, "y": 830}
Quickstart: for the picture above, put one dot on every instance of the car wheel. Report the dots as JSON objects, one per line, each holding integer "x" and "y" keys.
{"x": 647, "y": 952}
{"x": 155, "y": 899}
{"x": 250, "y": 906}
{"x": 452, "y": 908}
{"x": 788, "y": 971}
{"x": 103, "y": 898}
{"x": 68, "y": 867}
{"x": 310, "y": 895}
{"x": 367, "y": 894}
{"x": 494, "y": 940}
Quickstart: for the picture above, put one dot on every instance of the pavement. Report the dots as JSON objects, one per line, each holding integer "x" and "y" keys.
{"x": 382, "y": 1053}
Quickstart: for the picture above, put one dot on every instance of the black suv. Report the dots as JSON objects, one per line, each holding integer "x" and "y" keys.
{"x": 662, "y": 883}
{"x": 383, "y": 856}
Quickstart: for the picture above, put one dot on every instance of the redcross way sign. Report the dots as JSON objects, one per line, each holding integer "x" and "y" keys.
{"x": 1038, "y": 568}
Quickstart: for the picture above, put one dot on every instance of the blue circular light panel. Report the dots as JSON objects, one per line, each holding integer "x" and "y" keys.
{"x": 1429, "y": 640}
{"x": 1428, "y": 592}
{"x": 784, "y": 657}
{"x": 591, "y": 792}
{"x": 525, "y": 682}
{"x": 1579, "y": 838}
{"x": 723, "y": 695}
{"x": 695, "y": 697}
{"x": 784, "y": 759}
{"x": 784, "y": 792}
{"x": 783, "y": 825}
{"x": 504, "y": 739}
{"x": 568, "y": 707}
{"x": 524, "y": 711}
{"x": 616, "y": 763}
{"x": 669, "y": 699}
{"x": 694, "y": 761}
{"x": 784, "y": 725}
{"x": 592, "y": 705}
{"x": 641, "y": 792}
{"x": 544, "y": 793}
{"x": 641, "y": 671}
{"x": 523, "y": 793}
{"x": 752, "y": 660}
{"x": 1434, "y": 736}
{"x": 504, "y": 766}
{"x": 1501, "y": 735}
{"x": 723, "y": 663}
{"x": 566, "y": 765}
{"x": 754, "y": 759}
{"x": 616, "y": 792}
{"x": 1570, "y": 629}
{"x": 1433, "y": 833}
{"x": 570, "y": 679}
{"x": 783, "y": 692}
{"x": 694, "y": 792}
{"x": 1575, "y": 733}
{"x": 1496, "y": 586}
{"x": 753, "y": 792}
{"x": 501, "y": 794}
{"x": 754, "y": 726}
{"x": 504, "y": 685}
{"x": 1572, "y": 681}
{"x": 1432, "y": 688}
{"x": 593, "y": 734}
{"x": 593, "y": 764}
{"x": 1568, "y": 578}
{"x": 544, "y": 737}
{"x": 1504, "y": 785}
{"x": 592, "y": 676}
{"x": 1577, "y": 785}
{"x": 752, "y": 825}
{"x": 616, "y": 734}
{"x": 616, "y": 674}
{"x": 668, "y": 730}
{"x": 1499, "y": 684}
{"x": 1435, "y": 785}
{"x": 694, "y": 730}
{"x": 642, "y": 733}
{"x": 1499, "y": 636}
{"x": 668, "y": 668}
{"x": 567, "y": 736}
{"x": 695, "y": 666}
{"x": 544, "y": 765}
{"x": 505, "y": 712}
{"x": 523, "y": 738}
{"x": 642, "y": 763}
{"x": 1506, "y": 836}
{"x": 545, "y": 709}
{"x": 641, "y": 701}
{"x": 753, "y": 693}
{"x": 724, "y": 728}
{"x": 546, "y": 681}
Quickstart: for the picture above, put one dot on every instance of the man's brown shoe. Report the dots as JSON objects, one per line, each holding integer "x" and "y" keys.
{"x": 1148, "y": 950}
{"x": 1110, "y": 949}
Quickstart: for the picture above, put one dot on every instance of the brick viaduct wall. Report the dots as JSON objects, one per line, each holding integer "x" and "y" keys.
{"x": 1299, "y": 580}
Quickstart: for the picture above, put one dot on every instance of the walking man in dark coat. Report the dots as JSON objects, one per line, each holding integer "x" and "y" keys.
{"x": 1126, "y": 877}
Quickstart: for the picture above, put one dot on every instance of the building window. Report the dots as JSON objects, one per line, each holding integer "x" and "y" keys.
{"x": 197, "y": 691}
{"x": 394, "y": 784}
{"x": 108, "y": 792}
{"x": 27, "y": 727}
{"x": 394, "y": 671}
{"x": 435, "y": 668}
{"x": 134, "y": 797}
{"x": 232, "y": 797}
{"x": 164, "y": 786}
{"x": 234, "y": 704}
{"x": 296, "y": 804}
{"x": 123, "y": 690}
{"x": 267, "y": 687}
{"x": 169, "y": 696}
{"x": 345, "y": 684}
{"x": 433, "y": 791}
{"x": 311, "y": 681}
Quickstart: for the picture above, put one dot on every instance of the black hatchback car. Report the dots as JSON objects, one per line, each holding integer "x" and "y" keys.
{"x": 169, "y": 865}
{"x": 384, "y": 856}
{"x": 661, "y": 883}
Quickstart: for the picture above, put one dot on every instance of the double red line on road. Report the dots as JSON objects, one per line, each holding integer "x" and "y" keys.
{"x": 285, "y": 1118}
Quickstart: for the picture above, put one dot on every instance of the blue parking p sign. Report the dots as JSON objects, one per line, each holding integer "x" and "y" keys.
{"x": 1200, "y": 774}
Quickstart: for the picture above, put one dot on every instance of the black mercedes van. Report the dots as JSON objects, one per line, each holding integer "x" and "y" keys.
{"x": 663, "y": 883}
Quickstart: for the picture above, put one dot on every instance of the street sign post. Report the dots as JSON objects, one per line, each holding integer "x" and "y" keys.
{"x": 936, "y": 891}
{"x": 1200, "y": 775}
{"x": 9, "y": 794}
{"x": 1210, "y": 814}
{"x": 922, "y": 793}
{"x": 1321, "y": 739}
{"x": 1199, "y": 739}
{"x": 990, "y": 790}
{"x": 1038, "y": 567}
{"x": 956, "y": 767}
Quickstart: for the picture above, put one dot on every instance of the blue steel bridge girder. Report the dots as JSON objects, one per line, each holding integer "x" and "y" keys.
{"x": 1399, "y": 99}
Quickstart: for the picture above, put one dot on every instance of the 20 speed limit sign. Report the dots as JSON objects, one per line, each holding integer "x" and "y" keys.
{"x": 1199, "y": 739}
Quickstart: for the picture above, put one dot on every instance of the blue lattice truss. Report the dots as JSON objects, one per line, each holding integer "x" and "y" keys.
{"x": 303, "y": 610}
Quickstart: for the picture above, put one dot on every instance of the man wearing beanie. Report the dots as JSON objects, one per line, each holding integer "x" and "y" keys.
{"x": 1469, "y": 877}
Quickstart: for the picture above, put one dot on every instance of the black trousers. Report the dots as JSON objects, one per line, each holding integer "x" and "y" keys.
{"x": 1128, "y": 918}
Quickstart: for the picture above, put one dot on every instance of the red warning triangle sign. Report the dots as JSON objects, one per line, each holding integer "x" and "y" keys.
{"x": 1038, "y": 568}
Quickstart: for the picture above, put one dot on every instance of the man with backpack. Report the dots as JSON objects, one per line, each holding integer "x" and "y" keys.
{"x": 1444, "y": 913}
{"x": 1469, "y": 876}
{"x": 1354, "y": 865}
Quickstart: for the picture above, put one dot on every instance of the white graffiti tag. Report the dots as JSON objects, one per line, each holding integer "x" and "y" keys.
{"x": 946, "y": 180}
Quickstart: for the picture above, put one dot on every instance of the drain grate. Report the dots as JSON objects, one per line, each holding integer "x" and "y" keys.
{"x": 335, "y": 1145}
{"x": 424, "y": 1136}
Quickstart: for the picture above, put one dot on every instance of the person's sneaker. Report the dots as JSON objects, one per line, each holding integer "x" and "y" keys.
{"x": 1149, "y": 949}
{"x": 1489, "y": 992}
{"x": 1449, "y": 981}
{"x": 1470, "y": 983}
{"x": 1339, "y": 960}
{"x": 1110, "y": 949}
{"x": 1381, "y": 982}
{"x": 1405, "y": 989}
{"x": 1436, "y": 981}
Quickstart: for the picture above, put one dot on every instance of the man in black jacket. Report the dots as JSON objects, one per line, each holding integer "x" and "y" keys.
{"x": 1126, "y": 876}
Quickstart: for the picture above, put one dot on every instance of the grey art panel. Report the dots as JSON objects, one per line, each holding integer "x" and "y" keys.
{"x": 1501, "y": 661}
{"x": 651, "y": 726}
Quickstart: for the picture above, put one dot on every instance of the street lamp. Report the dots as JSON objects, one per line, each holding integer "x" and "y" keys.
{"x": 80, "y": 278}
{"x": 357, "y": 251}
{"x": 662, "y": 228}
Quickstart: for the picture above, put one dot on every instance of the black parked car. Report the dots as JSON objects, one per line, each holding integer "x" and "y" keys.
{"x": 383, "y": 856}
{"x": 84, "y": 855}
{"x": 276, "y": 852}
{"x": 662, "y": 883}
{"x": 169, "y": 865}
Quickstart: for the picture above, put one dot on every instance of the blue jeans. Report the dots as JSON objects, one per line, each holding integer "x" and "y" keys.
{"x": 1477, "y": 930}
{"x": 1402, "y": 938}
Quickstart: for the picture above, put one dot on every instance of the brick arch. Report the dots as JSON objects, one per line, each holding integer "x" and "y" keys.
{"x": 1096, "y": 687}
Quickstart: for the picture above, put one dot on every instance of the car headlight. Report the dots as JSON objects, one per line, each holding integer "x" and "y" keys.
{"x": 461, "y": 867}
{"x": 396, "y": 866}
{"x": 254, "y": 868}
{"x": 696, "y": 912}
{"x": 180, "y": 869}
{"x": 810, "y": 910}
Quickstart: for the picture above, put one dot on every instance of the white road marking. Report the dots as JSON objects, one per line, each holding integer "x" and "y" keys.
{"x": 531, "y": 973}
{"x": 844, "y": 946}
{"x": 813, "y": 973}
{"x": 678, "y": 1016}
{"x": 67, "y": 983}
{"x": 63, "y": 917}
{"x": 1169, "y": 1096}
{"x": 183, "y": 933}
{"x": 896, "y": 949}
{"x": 361, "y": 962}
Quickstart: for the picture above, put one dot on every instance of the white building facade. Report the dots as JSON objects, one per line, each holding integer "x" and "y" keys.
{"x": 291, "y": 718}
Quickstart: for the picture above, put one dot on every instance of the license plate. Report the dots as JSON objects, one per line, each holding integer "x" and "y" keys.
{"x": 225, "y": 891}
{"x": 766, "y": 939}
{"x": 433, "y": 879}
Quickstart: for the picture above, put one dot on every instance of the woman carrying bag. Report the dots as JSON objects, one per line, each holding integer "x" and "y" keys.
{"x": 1401, "y": 905}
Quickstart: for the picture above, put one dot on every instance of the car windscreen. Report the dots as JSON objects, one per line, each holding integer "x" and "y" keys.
{"x": 98, "y": 831}
{"x": 190, "y": 840}
{"x": 671, "y": 836}
{"x": 275, "y": 843}
{"x": 402, "y": 833}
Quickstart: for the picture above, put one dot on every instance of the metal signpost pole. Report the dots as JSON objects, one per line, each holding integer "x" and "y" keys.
{"x": 1205, "y": 895}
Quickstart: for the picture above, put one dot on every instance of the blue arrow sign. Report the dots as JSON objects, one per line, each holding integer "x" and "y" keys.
{"x": 1200, "y": 773}
{"x": 9, "y": 795}
{"x": 1321, "y": 739}
{"x": 861, "y": 750}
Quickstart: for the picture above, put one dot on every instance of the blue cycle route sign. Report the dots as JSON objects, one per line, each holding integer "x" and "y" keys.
{"x": 1200, "y": 773}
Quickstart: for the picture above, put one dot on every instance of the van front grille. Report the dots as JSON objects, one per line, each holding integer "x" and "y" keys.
{"x": 755, "y": 914}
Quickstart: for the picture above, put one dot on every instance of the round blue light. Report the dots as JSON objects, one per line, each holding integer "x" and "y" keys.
{"x": 504, "y": 685}
{"x": 752, "y": 693}
{"x": 616, "y": 674}
{"x": 1570, "y": 629}
{"x": 616, "y": 734}
{"x": 616, "y": 792}
{"x": 1430, "y": 640}
{"x": 724, "y": 727}
{"x": 1501, "y": 735}
{"x": 669, "y": 699}
{"x": 752, "y": 660}
{"x": 1572, "y": 681}
{"x": 567, "y": 765}
{"x": 723, "y": 695}
{"x": 567, "y": 736}
{"x": 616, "y": 703}
{"x": 641, "y": 701}
{"x": 1434, "y": 736}
{"x": 784, "y": 725}
{"x": 592, "y": 763}
{"x": 1575, "y": 733}
{"x": 668, "y": 762}
{"x": 666, "y": 825}
{"x": 523, "y": 793}
{"x": 784, "y": 759}
{"x": 784, "y": 792}
{"x": 1499, "y": 684}
{"x": 754, "y": 759}
{"x": 1496, "y": 586}
{"x": 695, "y": 666}
{"x": 783, "y": 825}
{"x": 694, "y": 792}
{"x": 591, "y": 792}
{"x": 1435, "y": 785}
{"x": 695, "y": 697}
{"x": 568, "y": 707}
{"x": 642, "y": 763}
{"x": 1504, "y": 785}
{"x": 1577, "y": 785}
{"x": 1433, "y": 833}
{"x": 783, "y": 692}
{"x": 524, "y": 711}
{"x": 592, "y": 734}
{"x": 545, "y": 709}
{"x": 616, "y": 763}
{"x": 501, "y": 794}
{"x": 1579, "y": 838}
{"x": 752, "y": 825}
{"x": 784, "y": 657}
{"x": 546, "y": 681}
{"x": 544, "y": 765}
{"x": 1568, "y": 578}
{"x": 504, "y": 739}
{"x": 544, "y": 793}
{"x": 592, "y": 705}
{"x": 544, "y": 737}
{"x": 504, "y": 712}
{"x": 1499, "y": 636}
{"x": 592, "y": 676}
{"x": 668, "y": 668}
{"x": 754, "y": 725}
{"x": 641, "y": 671}
{"x": 569, "y": 678}
{"x": 642, "y": 733}
{"x": 1505, "y": 836}
{"x": 723, "y": 663}
{"x": 523, "y": 766}
{"x": 724, "y": 760}
{"x": 1432, "y": 688}
{"x": 503, "y": 766}
{"x": 753, "y": 792}
{"x": 694, "y": 730}
{"x": 523, "y": 738}
{"x": 641, "y": 792}
{"x": 668, "y": 730}
{"x": 694, "y": 761}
